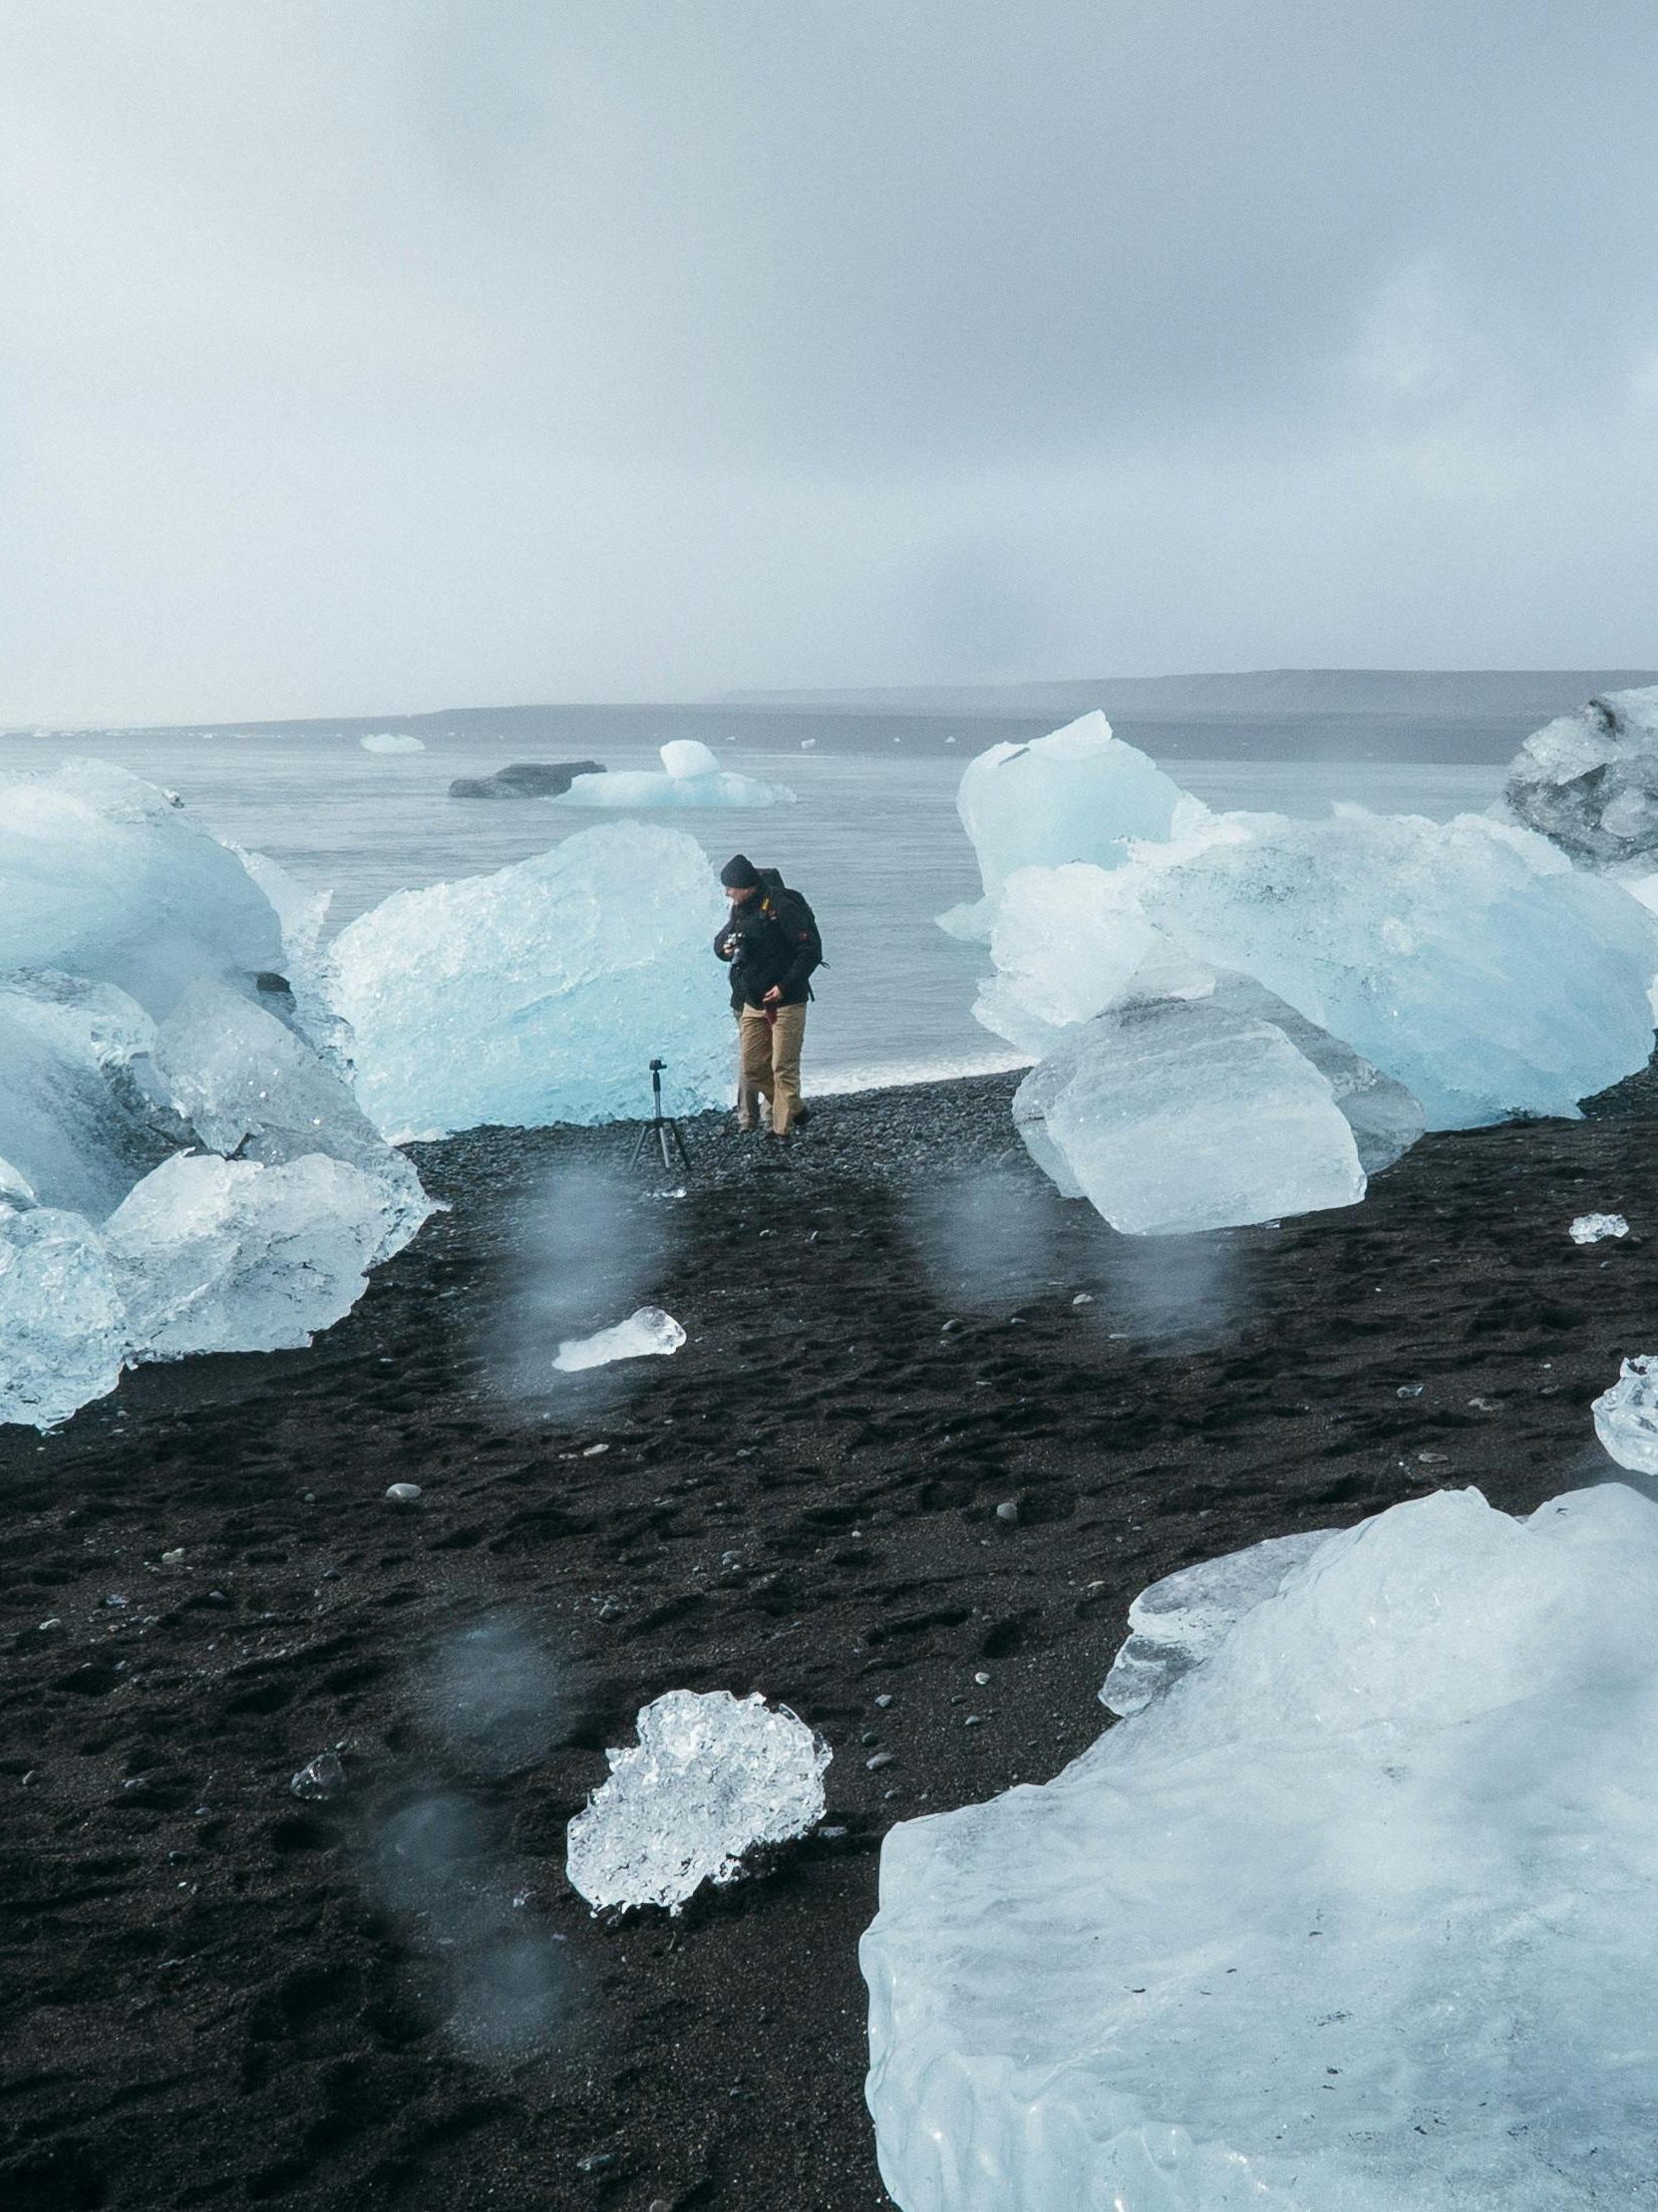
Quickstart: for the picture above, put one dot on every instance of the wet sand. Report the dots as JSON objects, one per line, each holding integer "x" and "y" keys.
{"x": 215, "y": 1994}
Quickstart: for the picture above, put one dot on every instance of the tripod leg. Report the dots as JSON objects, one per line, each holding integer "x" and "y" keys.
{"x": 679, "y": 1147}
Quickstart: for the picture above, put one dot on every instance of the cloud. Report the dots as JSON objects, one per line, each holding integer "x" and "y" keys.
{"x": 421, "y": 353}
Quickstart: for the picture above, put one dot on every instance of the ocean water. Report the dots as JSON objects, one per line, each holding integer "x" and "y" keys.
{"x": 873, "y": 841}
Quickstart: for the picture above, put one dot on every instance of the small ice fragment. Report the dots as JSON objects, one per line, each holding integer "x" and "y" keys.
{"x": 649, "y": 1331}
{"x": 1626, "y": 1416}
{"x": 392, "y": 740}
{"x": 711, "y": 1778}
{"x": 173, "y": 1558}
{"x": 1589, "y": 1229}
{"x": 1408, "y": 1389}
{"x": 323, "y": 1777}
{"x": 402, "y": 1493}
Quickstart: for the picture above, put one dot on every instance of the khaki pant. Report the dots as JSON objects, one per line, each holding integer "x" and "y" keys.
{"x": 768, "y": 1063}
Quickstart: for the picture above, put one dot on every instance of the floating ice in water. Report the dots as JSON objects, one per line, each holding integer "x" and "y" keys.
{"x": 685, "y": 757}
{"x": 229, "y": 1255}
{"x": 691, "y": 777}
{"x": 1179, "y": 1622}
{"x": 648, "y": 1331}
{"x": 104, "y": 878}
{"x": 1177, "y": 1114}
{"x": 63, "y": 1333}
{"x": 1589, "y": 780}
{"x": 712, "y": 1778}
{"x": 1466, "y": 960}
{"x": 392, "y": 740}
{"x": 1589, "y": 1229}
{"x": 1626, "y": 1416}
{"x": 1381, "y": 1872}
{"x": 250, "y": 1087}
{"x": 540, "y": 993}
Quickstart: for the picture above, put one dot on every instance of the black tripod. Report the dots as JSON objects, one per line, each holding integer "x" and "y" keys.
{"x": 662, "y": 1127}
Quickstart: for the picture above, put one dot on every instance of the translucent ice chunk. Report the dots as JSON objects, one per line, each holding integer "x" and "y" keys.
{"x": 1078, "y": 795}
{"x": 1177, "y": 1116}
{"x": 106, "y": 879}
{"x": 1589, "y": 1229}
{"x": 1626, "y": 1416}
{"x": 229, "y": 1255}
{"x": 1185, "y": 1619}
{"x": 684, "y": 757}
{"x": 648, "y": 1331}
{"x": 248, "y": 1086}
{"x": 74, "y": 1119}
{"x": 392, "y": 740}
{"x": 1589, "y": 780}
{"x": 1383, "y": 1868}
{"x": 63, "y": 1331}
{"x": 712, "y": 1778}
{"x": 540, "y": 993}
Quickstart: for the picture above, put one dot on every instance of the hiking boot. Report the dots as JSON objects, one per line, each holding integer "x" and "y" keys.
{"x": 801, "y": 1115}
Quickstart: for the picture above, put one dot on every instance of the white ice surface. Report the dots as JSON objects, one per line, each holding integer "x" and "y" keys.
{"x": 1078, "y": 794}
{"x": 540, "y": 993}
{"x": 687, "y": 757}
{"x": 711, "y": 1778}
{"x": 649, "y": 1332}
{"x": 392, "y": 740}
{"x": 104, "y": 878}
{"x": 1179, "y": 1622}
{"x": 63, "y": 1332}
{"x": 220, "y": 1255}
{"x": 1359, "y": 1915}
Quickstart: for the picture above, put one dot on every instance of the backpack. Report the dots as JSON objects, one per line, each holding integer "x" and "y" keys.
{"x": 792, "y": 909}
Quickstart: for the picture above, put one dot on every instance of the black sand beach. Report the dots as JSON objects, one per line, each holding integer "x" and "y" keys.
{"x": 216, "y": 1993}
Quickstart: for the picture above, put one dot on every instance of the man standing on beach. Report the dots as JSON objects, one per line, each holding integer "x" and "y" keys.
{"x": 771, "y": 944}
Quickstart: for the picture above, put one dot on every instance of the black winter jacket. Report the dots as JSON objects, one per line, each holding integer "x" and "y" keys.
{"x": 770, "y": 939}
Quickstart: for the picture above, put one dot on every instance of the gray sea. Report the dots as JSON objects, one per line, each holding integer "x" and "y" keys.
{"x": 873, "y": 840}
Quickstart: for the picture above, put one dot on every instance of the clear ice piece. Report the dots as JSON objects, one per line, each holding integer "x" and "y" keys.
{"x": 1177, "y": 1116}
{"x": 1179, "y": 1622}
{"x": 1588, "y": 780}
{"x": 1590, "y": 1228}
{"x": 229, "y": 1255}
{"x": 711, "y": 1779}
{"x": 1626, "y": 1416}
{"x": 540, "y": 993}
{"x": 63, "y": 1329}
{"x": 250, "y": 1086}
{"x": 1383, "y": 1868}
{"x": 75, "y": 1121}
{"x": 649, "y": 1331}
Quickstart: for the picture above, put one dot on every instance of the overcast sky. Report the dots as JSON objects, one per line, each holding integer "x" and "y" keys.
{"x": 366, "y": 354}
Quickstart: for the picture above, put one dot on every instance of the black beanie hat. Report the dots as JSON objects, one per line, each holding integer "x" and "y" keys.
{"x": 739, "y": 874}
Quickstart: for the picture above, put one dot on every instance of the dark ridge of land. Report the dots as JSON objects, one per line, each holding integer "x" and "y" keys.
{"x": 217, "y": 1995}
{"x": 1432, "y": 694}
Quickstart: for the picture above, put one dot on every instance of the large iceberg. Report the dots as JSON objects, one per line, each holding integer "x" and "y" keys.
{"x": 1359, "y": 1913}
{"x": 711, "y": 1779}
{"x": 539, "y": 992}
{"x": 1589, "y": 780}
{"x": 691, "y": 775}
{"x": 144, "y": 958}
{"x": 1466, "y": 960}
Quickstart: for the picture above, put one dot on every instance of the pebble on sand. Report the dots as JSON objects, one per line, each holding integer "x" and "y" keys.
{"x": 402, "y": 1493}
